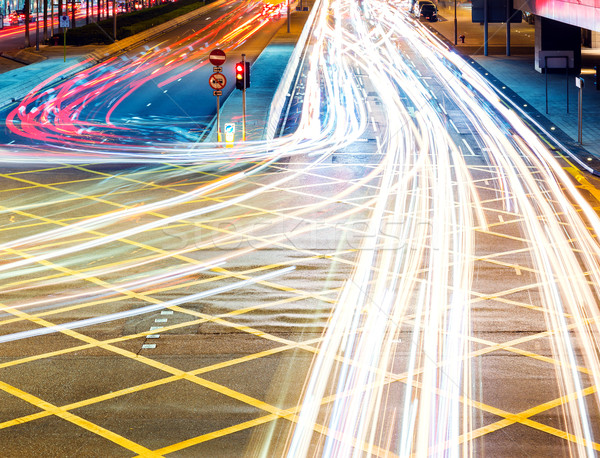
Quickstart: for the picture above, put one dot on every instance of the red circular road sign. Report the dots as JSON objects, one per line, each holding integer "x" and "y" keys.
{"x": 217, "y": 81}
{"x": 217, "y": 57}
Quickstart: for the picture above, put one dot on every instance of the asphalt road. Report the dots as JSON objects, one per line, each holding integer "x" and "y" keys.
{"x": 156, "y": 94}
{"x": 411, "y": 272}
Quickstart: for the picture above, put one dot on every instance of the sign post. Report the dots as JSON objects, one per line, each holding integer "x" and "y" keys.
{"x": 217, "y": 81}
{"x": 579, "y": 82}
{"x": 64, "y": 23}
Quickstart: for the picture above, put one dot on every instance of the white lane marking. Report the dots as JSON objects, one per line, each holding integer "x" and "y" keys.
{"x": 374, "y": 125}
{"x": 468, "y": 147}
{"x": 454, "y": 126}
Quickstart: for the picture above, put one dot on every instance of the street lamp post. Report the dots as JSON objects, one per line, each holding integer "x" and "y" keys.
{"x": 455, "y": 26}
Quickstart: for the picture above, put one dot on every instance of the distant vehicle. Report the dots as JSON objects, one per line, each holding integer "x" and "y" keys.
{"x": 17, "y": 17}
{"x": 428, "y": 10}
{"x": 273, "y": 9}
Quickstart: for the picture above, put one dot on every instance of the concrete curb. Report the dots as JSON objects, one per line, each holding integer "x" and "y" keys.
{"x": 52, "y": 70}
{"x": 23, "y": 56}
{"x": 539, "y": 123}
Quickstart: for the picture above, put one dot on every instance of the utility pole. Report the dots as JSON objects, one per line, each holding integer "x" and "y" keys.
{"x": 45, "y": 20}
{"x": 115, "y": 19}
{"x": 37, "y": 25}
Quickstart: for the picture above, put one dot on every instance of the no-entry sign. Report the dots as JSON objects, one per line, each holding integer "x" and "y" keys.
{"x": 217, "y": 57}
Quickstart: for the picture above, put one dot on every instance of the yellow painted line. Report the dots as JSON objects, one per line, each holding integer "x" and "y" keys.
{"x": 65, "y": 191}
{"x": 545, "y": 359}
{"x": 161, "y": 366}
{"x": 558, "y": 433}
{"x": 289, "y": 414}
{"x": 275, "y": 285}
{"x": 216, "y": 434}
{"x": 508, "y": 265}
{"x": 155, "y": 383}
{"x": 25, "y": 419}
{"x": 76, "y": 420}
{"x": 180, "y": 256}
{"x": 523, "y": 418}
{"x": 583, "y": 182}
{"x": 479, "y": 432}
{"x": 145, "y": 295}
{"x": 504, "y": 236}
{"x": 480, "y": 297}
{"x": 210, "y": 385}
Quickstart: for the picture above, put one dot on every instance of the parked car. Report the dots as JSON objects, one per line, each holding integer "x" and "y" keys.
{"x": 428, "y": 10}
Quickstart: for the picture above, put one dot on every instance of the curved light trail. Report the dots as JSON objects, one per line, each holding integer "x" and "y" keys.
{"x": 414, "y": 270}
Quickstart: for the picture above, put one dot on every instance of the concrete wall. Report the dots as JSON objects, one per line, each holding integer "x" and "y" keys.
{"x": 580, "y": 13}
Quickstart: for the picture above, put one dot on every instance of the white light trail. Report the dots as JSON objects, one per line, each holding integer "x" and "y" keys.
{"x": 393, "y": 372}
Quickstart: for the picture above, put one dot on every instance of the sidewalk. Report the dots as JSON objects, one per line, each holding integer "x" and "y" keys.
{"x": 528, "y": 87}
{"x": 266, "y": 73}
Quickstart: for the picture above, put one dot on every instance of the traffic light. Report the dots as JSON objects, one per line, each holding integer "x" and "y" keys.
{"x": 242, "y": 73}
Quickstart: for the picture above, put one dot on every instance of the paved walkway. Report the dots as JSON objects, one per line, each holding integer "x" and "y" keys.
{"x": 518, "y": 75}
{"x": 266, "y": 73}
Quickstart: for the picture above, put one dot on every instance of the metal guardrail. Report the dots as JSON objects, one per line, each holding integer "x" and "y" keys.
{"x": 282, "y": 92}
{"x": 14, "y": 92}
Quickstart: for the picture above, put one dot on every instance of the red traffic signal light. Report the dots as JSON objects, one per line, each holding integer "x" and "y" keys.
{"x": 242, "y": 75}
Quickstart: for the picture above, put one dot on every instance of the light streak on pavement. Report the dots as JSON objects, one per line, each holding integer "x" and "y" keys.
{"x": 370, "y": 390}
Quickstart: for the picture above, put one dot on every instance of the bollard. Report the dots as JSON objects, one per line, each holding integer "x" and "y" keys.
{"x": 579, "y": 82}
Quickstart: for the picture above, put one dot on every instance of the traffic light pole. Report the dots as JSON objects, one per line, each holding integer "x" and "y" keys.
{"x": 218, "y": 120}
{"x": 244, "y": 100}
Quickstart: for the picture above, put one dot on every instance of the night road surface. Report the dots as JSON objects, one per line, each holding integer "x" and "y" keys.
{"x": 157, "y": 93}
{"x": 412, "y": 272}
